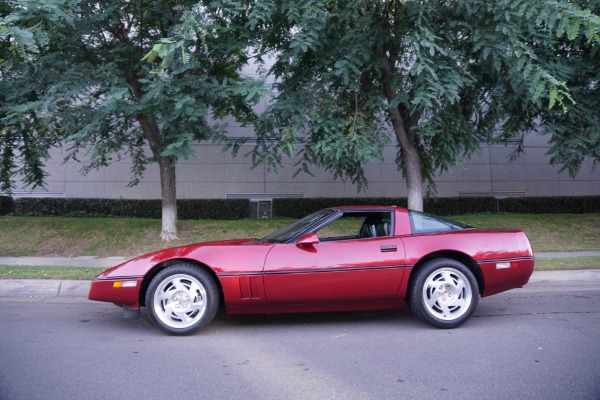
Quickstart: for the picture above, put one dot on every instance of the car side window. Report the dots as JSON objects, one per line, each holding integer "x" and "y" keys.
{"x": 357, "y": 225}
{"x": 427, "y": 223}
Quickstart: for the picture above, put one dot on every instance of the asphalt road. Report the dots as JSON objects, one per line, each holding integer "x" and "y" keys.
{"x": 540, "y": 343}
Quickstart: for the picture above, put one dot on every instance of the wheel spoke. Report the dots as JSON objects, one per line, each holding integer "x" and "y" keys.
{"x": 194, "y": 289}
{"x": 179, "y": 285}
{"x": 182, "y": 316}
{"x": 163, "y": 296}
{"x": 197, "y": 305}
{"x": 460, "y": 286}
{"x": 168, "y": 307}
{"x": 448, "y": 278}
{"x": 445, "y": 310}
{"x": 431, "y": 301}
{"x": 460, "y": 303}
{"x": 432, "y": 286}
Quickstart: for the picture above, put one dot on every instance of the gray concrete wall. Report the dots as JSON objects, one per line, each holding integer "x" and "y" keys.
{"x": 214, "y": 174}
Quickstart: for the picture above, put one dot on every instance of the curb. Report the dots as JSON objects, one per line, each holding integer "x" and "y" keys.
{"x": 70, "y": 288}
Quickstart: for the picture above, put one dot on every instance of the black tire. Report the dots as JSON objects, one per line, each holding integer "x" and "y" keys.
{"x": 181, "y": 299}
{"x": 443, "y": 293}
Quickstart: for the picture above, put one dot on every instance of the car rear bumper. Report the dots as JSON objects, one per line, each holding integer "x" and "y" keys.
{"x": 502, "y": 275}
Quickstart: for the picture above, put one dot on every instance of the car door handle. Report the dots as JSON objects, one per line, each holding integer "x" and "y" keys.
{"x": 388, "y": 248}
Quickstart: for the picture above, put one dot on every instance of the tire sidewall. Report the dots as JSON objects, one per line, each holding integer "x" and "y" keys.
{"x": 212, "y": 297}
{"x": 417, "y": 303}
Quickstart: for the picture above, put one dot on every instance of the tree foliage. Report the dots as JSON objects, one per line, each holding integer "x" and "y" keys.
{"x": 93, "y": 75}
{"x": 444, "y": 75}
{"x": 117, "y": 77}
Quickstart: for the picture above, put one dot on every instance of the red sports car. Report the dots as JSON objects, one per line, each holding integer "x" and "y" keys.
{"x": 342, "y": 258}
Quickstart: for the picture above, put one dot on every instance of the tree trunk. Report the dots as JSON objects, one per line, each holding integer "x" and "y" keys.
{"x": 168, "y": 190}
{"x": 414, "y": 180}
{"x": 411, "y": 161}
{"x": 151, "y": 132}
{"x": 169, "y": 199}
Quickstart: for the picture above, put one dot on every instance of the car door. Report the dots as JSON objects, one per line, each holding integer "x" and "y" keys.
{"x": 344, "y": 269}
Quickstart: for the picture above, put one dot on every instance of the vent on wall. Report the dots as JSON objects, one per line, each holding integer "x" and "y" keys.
{"x": 36, "y": 194}
{"x": 499, "y": 194}
{"x": 261, "y": 209}
{"x": 261, "y": 204}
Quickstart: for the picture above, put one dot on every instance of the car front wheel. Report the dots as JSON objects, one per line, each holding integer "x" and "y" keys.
{"x": 181, "y": 299}
{"x": 444, "y": 293}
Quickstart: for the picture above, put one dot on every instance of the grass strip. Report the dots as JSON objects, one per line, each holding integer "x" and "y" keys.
{"x": 48, "y": 272}
{"x": 106, "y": 237}
{"x": 128, "y": 237}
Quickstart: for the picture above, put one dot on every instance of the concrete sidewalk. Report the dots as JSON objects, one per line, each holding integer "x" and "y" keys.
{"x": 92, "y": 261}
{"x": 84, "y": 261}
{"x": 565, "y": 254}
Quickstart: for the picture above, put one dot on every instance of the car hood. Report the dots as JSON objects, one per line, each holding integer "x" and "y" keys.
{"x": 220, "y": 256}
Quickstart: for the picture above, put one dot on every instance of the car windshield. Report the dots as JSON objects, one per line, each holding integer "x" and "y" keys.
{"x": 289, "y": 232}
{"x": 426, "y": 223}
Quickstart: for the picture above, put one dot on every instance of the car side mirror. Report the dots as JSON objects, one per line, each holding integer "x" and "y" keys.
{"x": 309, "y": 239}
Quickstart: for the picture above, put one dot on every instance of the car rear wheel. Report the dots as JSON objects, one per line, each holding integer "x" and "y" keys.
{"x": 444, "y": 293}
{"x": 181, "y": 299}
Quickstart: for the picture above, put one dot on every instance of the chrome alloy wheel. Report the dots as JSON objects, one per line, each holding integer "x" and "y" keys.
{"x": 447, "y": 294}
{"x": 180, "y": 301}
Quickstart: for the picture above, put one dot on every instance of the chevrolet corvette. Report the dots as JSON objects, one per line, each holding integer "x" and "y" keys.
{"x": 337, "y": 259}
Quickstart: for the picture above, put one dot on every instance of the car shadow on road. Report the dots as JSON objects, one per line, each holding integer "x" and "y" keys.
{"x": 316, "y": 319}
